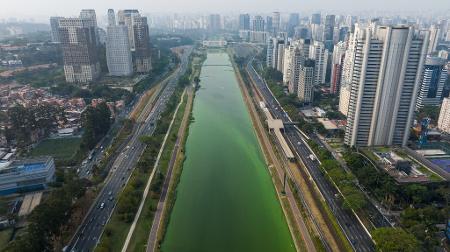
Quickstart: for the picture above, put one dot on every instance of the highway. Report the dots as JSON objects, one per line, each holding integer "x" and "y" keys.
{"x": 91, "y": 229}
{"x": 353, "y": 229}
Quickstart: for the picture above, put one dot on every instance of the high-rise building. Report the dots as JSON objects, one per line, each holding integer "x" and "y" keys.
{"x": 79, "y": 47}
{"x": 306, "y": 82}
{"x": 294, "y": 21}
{"x": 319, "y": 54}
{"x": 258, "y": 24}
{"x": 328, "y": 32}
{"x": 276, "y": 22}
{"x": 269, "y": 53}
{"x": 244, "y": 22}
{"x": 288, "y": 54}
{"x": 297, "y": 60}
{"x": 432, "y": 82}
{"x": 280, "y": 56}
{"x": 344, "y": 98}
{"x": 111, "y": 17}
{"x": 387, "y": 67}
{"x": 444, "y": 116}
{"x": 316, "y": 18}
{"x": 91, "y": 17}
{"x": 434, "y": 39}
{"x": 269, "y": 25}
{"x": 142, "y": 52}
{"x": 214, "y": 23}
{"x": 125, "y": 17}
{"x": 336, "y": 66}
{"x": 118, "y": 50}
{"x": 54, "y": 25}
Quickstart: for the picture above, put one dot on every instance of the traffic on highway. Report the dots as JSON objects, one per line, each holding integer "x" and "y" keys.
{"x": 92, "y": 227}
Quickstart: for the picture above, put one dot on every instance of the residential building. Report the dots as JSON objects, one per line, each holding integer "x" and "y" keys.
{"x": 276, "y": 22}
{"x": 344, "y": 98}
{"x": 269, "y": 53}
{"x": 387, "y": 68}
{"x": 258, "y": 24}
{"x": 79, "y": 46}
{"x": 336, "y": 66}
{"x": 319, "y": 54}
{"x": 26, "y": 175}
{"x": 306, "y": 82}
{"x": 54, "y": 25}
{"x": 434, "y": 39}
{"x": 244, "y": 22}
{"x": 432, "y": 82}
{"x": 297, "y": 60}
{"x": 444, "y": 116}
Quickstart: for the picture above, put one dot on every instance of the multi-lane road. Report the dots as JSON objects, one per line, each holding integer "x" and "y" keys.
{"x": 90, "y": 231}
{"x": 353, "y": 229}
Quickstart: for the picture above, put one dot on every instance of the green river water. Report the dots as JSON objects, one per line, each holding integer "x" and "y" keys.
{"x": 226, "y": 200}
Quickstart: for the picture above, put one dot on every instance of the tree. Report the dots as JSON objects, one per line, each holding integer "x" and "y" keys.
{"x": 394, "y": 240}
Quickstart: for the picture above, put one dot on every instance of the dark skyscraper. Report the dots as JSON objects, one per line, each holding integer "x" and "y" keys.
{"x": 142, "y": 52}
{"x": 244, "y": 22}
{"x": 294, "y": 20}
{"x": 316, "y": 18}
{"x": 328, "y": 32}
{"x": 269, "y": 24}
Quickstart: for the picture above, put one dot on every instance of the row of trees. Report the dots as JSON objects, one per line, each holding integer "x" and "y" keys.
{"x": 422, "y": 206}
{"x": 47, "y": 221}
{"x": 96, "y": 122}
{"x": 26, "y": 123}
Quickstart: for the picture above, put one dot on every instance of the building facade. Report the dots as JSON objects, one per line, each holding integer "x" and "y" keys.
{"x": 387, "y": 67}
{"x": 306, "y": 82}
{"x": 444, "y": 116}
{"x": 54, "y": 25}
{"x": 336, "y": 66}
{"x": 118, "y": 51}
{"x": 432, "y": 82}
{"x": 26, "y": 175}
{"x": 319, "y": 54}
{"x": 79, "y": 46}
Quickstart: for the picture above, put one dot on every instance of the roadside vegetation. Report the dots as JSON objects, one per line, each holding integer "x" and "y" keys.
{"x": 129, "y": 199}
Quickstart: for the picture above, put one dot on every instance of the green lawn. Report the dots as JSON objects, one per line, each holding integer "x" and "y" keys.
{"x": 60, "y": 149}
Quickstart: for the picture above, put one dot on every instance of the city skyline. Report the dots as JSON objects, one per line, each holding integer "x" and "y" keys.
{"x": 39, "y": 10}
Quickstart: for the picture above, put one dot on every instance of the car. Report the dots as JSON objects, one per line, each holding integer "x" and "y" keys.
{"x": 111, "y": 198}
{"x": 110, "y": 193}
{"x": 102, "y": 205}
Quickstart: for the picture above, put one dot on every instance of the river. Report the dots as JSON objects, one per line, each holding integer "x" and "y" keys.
{"x": 226, "y": 200}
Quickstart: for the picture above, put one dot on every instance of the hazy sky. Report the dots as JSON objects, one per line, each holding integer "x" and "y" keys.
{"x": 43, "y": 8}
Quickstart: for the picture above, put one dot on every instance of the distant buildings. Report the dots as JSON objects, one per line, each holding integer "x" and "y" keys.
{"x": 432, "y": 82}
{"x": 258, "y": 24}
{"x": 214, "y": 23}
{"x": 26, "y": 175}
{"x": 444, "y": 116}
{"x": 244, "y": 22}
{"x": 78, "y": 37}
{"x": 385, "y": 78}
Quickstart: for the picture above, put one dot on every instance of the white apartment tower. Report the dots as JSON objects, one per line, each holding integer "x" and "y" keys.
{"x": 319, "y": 54}
{"x": 387, "y": 68}
{"x": 118, "y": 51}
{"x": 444, "y": 116}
